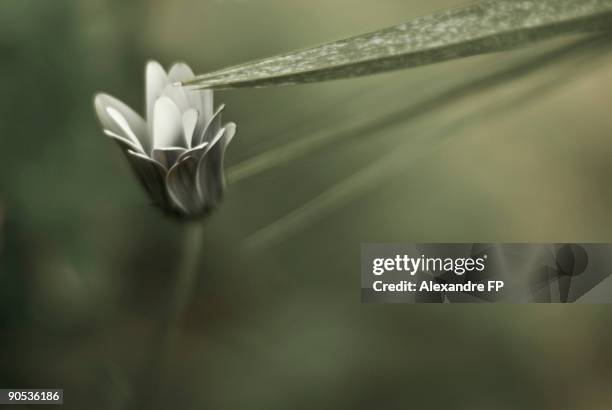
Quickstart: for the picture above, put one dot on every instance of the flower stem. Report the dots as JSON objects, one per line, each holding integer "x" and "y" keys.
{"x": 154, "y": 388}
{"x": 186, "y": 275}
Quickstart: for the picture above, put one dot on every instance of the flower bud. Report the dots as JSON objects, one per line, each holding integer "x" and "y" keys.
{"x": 177, "y": 152}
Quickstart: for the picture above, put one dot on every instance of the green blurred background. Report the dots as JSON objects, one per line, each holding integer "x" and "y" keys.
{"x": 505, "y": 147}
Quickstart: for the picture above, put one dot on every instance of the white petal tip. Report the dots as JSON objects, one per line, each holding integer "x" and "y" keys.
{"x": 100, "y": 98}
{"x": 154, "y": 70}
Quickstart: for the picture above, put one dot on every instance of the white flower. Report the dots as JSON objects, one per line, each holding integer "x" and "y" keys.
{"x": 177, "y": 153}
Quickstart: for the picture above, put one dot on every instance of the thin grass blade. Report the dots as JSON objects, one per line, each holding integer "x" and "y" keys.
{"x": 429, "y": 137}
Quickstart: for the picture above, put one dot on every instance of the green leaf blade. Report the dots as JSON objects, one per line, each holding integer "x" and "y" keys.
{"x": 484, "y": 27}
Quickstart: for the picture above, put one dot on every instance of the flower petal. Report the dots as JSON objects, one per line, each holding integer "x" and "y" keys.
{"x": 121, "y": 120}
{"x": 213, "y": 143}
{"x": 167, "y": 124}
{"x": 156, "y": 81}
{"x": 123, "y": 142}
{"x": 206, "y": 97}
{"x": 181, "y": 72}
{"x": 178, "y": 96}
{"x": 190, "y": 121}
{"x": 167, "y": 156}
{"x": 152, "y": 177}
{"x": 213, "y": 126}
{"x": 195, "y": 152}
{"x": 210, "y": 180}
{"x": 181, "y": 186}
{"x": 230, "y": 131}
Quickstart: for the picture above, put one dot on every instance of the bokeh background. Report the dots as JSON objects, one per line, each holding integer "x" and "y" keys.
{"x": 513, "y": 146}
